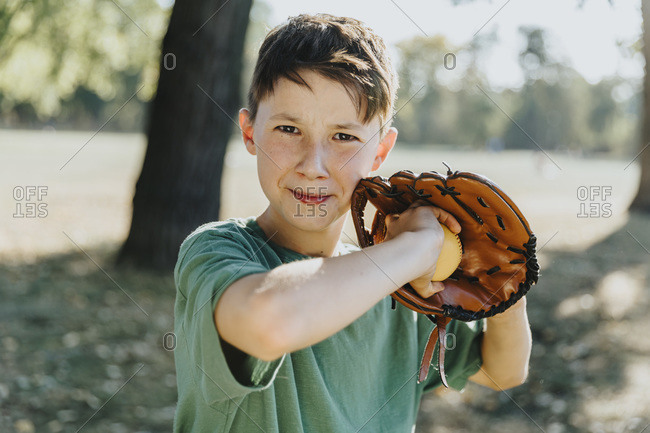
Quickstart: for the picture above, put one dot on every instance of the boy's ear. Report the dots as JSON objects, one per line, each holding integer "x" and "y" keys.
{"x": 246, "y": 127}
{"x": 385, "y": 146}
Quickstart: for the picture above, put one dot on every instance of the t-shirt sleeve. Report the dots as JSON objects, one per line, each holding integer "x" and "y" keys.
{"x": 208, "y": 263}
{"x": 462, "y": 353}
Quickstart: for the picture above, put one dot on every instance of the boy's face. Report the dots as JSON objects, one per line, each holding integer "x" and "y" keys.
{"x": 312, "y": 144}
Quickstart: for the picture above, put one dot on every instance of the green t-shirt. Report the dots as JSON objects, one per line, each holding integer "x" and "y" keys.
{"x": 363, "y": 378}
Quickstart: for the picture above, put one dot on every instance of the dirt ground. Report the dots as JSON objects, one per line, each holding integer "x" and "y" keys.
{"x": 76, "y": 353}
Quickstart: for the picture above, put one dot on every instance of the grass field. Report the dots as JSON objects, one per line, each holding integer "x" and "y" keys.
{"x": 71, "y": 337}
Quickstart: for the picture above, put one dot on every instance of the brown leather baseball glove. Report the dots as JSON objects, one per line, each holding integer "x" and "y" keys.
{"x": 498, "y": 265}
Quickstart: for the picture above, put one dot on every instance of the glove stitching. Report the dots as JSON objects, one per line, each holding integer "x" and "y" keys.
{"x": 532, "y": 267}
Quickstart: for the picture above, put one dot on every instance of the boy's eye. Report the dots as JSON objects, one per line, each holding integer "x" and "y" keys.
{"x": 346, "y": 137}
{"x": 289, "y": 130}
{"x": 292, "y": 130}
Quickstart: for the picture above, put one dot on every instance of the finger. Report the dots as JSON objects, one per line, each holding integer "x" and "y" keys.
{"x": 437, "y": 286}
{"x": 418, "y": 203}
{"x": 447, "y": 219}
{"x": 391, "y": 218}
{"x": 424, "y": 291}
{"x": 442, "y": 215}
{"x": 429, "y": 289}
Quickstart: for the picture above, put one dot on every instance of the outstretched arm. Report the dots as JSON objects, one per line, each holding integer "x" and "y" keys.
{"x": 303, "y": 302}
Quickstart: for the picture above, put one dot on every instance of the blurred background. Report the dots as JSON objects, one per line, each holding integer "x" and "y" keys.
{"x": 118, "y": 137}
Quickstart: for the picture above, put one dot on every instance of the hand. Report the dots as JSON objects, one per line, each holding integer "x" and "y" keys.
{"x": 424, "y": 219}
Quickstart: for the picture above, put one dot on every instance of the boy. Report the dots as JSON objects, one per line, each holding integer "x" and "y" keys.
{"x": 280, "y": 326}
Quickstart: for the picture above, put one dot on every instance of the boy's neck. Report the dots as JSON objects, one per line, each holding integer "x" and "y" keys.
{"x": 317, "y": 243}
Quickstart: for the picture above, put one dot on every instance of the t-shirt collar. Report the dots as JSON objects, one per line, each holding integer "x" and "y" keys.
{"x": 252, "y": 223}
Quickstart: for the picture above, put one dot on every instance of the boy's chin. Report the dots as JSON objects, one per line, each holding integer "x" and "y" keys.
{"x": 312, "y": 222}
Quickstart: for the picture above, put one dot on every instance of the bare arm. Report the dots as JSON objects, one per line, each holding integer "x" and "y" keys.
{"x": 505, "y": 349}
{"x": 301, "y": 303}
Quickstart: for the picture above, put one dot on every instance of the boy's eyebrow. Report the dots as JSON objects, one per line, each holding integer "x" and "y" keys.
{"x": 287, "y": 116}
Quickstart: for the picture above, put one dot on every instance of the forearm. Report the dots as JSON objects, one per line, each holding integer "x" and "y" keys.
{"x": 303, "y": 302}
{"x": 506, "y": 348}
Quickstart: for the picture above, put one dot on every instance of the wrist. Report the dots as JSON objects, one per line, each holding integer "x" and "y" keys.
{"x": 515, "y": 312}
{"x": 407, "y": 250}
{"x": 425, "y": 249}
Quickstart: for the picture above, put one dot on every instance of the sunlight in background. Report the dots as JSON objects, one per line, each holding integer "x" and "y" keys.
{"x": 586, "y": 39}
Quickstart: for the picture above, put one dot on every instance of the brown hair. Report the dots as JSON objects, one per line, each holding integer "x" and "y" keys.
{"x": 339, "y": 48}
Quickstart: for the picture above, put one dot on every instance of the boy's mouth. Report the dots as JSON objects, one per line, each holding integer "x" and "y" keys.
{"x": 305, "y": 198}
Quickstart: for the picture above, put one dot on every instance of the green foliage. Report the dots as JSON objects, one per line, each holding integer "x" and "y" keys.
{"x": 449, "y": 106}
{"x": 559, "y": 109}
{"x": 74, "y": 64}
{"x": 556, "y": 108}
{"x": 63, "y": 58}
{"x": 534, "y": 58}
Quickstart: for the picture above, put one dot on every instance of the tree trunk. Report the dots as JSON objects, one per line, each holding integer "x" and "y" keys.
{"x": 180, "y": 182}
{"x": 642, "y": 200}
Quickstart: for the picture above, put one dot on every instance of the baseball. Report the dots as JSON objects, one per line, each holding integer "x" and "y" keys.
{"x": 450, "y": 255}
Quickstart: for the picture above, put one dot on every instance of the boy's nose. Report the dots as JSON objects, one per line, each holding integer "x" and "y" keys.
{"x": 313, "y": 159}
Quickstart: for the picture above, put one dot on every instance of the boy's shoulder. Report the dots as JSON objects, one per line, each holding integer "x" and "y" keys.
{"x": 229, "y": 224}
{"x": 233, "y": 237}
{"x": 221, "y": 227}
{"x": 238, "y": 228}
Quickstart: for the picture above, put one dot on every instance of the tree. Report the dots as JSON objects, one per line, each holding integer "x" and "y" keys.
{"x": 189, "y": 127}
{"x": 74, "y": 63}
{"x": 642, "y": 200}
{"x": 438, "y": 92}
